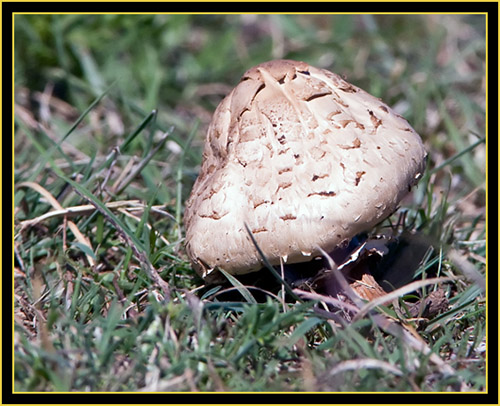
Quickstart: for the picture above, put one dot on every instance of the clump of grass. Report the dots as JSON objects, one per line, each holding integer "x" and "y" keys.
{"x": 105, "y": 299}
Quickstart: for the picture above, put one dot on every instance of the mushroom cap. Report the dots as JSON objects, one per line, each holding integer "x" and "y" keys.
{"x": 305, "y": 160}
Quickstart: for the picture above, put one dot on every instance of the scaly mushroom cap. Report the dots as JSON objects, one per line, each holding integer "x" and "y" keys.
{"x": 302, "y": 157}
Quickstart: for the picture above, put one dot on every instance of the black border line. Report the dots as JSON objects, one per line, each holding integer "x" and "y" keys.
{"x": 8, "y": 9}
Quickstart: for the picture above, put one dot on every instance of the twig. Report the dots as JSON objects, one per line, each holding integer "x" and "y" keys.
{"x": 382, "y": 321}
{"x": 121, "y": 205}
{"x": 346, "y": 288}
{"x": 367, "y": 363}
{"x": 416, "y": 342}
{"x": 467, "y": 269}
{"x": 327, "y": 299}
{"x": 398, "y": 293}
{"x": 54, "y": 203}
{"x": 72, "y": 212}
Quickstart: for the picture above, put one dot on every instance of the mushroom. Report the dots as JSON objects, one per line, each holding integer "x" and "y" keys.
{"x": 302, "y": 158}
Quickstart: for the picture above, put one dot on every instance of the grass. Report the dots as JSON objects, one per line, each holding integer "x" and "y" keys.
{"x": 105, "y": 298}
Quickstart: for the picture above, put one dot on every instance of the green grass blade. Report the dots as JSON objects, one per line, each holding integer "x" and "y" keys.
{"x": 287, "y": 287}
{"x": 240, "y": 287}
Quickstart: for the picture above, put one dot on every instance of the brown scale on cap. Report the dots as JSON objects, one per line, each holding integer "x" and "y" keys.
{"x": 299, "y": 156}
